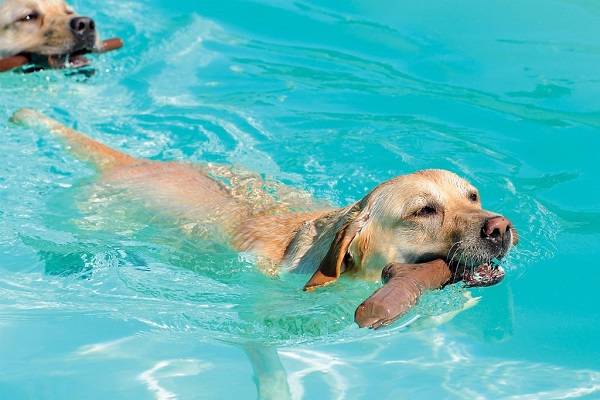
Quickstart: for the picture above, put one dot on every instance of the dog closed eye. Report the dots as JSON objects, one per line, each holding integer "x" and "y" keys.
{"x": 31, "y": 16}
{"x": 28, "y": 17}
{"x": 426, "y": 211}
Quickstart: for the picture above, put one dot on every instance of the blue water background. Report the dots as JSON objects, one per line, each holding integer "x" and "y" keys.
{"x": 104, "y": 301}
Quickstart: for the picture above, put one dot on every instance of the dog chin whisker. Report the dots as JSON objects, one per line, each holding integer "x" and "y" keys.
{"x": 453, "y": 251}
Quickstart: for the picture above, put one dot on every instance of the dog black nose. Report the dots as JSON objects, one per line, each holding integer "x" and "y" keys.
{"x": 495, "y": 228}
{"x": 82, "y": 25}
{"x": 84, "y": 30}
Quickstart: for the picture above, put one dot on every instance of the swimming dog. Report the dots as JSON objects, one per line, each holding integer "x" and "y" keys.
{"x": 427, "y": 227}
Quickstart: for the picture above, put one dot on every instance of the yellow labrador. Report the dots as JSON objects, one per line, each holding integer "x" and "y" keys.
{"x": 48, "y": 31}
{"x": 419, "y": 218}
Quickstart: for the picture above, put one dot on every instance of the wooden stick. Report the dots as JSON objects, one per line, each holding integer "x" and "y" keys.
{"x": 403, "y": 284}
{"x": 6, "y": 64}
{"x": 110, "y": 44}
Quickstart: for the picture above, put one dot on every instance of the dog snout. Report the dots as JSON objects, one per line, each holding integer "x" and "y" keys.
{"x": 84, "y": 30}
{"x": 495, "y": 228}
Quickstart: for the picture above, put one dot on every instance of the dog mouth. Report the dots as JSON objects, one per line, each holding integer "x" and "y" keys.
{"x": 474, "y": 272}
{"x": 486, "y": 274}
{"x": 73, "y": 60}
{"x": 70, "y": 60}
{"x": 477, "y": 263}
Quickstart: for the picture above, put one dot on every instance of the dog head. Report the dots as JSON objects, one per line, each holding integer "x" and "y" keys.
{"x": 427, "y": 215}
{"x": 45, "y": 28}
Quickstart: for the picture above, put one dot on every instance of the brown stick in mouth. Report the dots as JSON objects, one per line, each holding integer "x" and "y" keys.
{"x": 6, "y": 64}
{"x": 403, "y": 284}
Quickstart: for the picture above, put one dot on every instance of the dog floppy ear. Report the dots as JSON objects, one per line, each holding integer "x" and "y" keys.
{"x": 330, "y": 268}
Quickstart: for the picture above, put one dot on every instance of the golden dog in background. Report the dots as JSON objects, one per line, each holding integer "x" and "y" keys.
{"x": 46, "y": 28}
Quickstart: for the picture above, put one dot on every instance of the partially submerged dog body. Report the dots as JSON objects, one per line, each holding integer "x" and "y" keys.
{"x": 47, "y": 33}
{"x": 429, "y": 224}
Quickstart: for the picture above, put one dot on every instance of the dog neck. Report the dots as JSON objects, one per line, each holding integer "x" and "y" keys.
{"x": 296, "y": 241}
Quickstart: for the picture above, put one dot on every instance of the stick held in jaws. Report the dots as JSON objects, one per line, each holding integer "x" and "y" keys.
{"x": 110, "y": 44}
{"x": 403, "y": 284}
{"x": 6, "y": 64}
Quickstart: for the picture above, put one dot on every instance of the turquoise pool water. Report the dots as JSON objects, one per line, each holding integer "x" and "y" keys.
{"x": 100, "y": 299}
